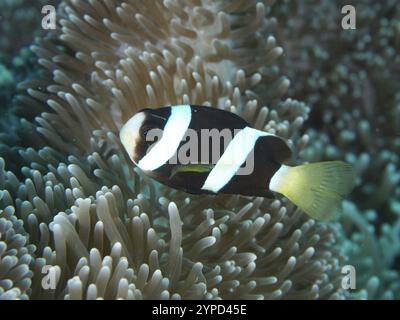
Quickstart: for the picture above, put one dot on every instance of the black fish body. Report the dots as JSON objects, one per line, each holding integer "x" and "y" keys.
{"x": 205, "y": 150}
{"x": 268, "y": 153}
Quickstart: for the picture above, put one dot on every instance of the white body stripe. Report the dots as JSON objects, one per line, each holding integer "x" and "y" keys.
{"x": 234, "y": 156}
{"x": 173, "y": 133}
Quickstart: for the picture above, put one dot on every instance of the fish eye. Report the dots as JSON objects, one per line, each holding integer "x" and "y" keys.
{"x": 145, "y": 129}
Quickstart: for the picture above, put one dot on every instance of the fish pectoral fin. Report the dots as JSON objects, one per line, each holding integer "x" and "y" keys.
{"x": 192, "y": 168}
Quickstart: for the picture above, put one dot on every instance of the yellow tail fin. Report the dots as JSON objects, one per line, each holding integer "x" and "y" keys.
{"x": 316, "y": 188}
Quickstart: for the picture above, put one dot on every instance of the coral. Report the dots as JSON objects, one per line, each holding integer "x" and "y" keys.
{"x": 106, "y": 230}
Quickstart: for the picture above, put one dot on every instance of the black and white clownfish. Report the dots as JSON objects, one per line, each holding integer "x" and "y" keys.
{"x": 316, "y": 188}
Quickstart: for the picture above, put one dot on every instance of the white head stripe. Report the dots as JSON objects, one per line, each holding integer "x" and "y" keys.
{"x": 234, "y": 156}
{"x": 129, "y": 133}
{"x": 173, "y": 133}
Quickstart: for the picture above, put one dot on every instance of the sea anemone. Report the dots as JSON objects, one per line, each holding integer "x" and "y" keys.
{"x": 350, "y": 79}
{"x": 77, "y": 205}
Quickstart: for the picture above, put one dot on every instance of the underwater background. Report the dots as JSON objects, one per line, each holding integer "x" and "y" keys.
{"x": 72, "y": 206}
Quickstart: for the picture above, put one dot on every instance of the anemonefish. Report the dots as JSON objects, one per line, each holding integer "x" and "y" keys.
{"x": 316, "y": 188}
